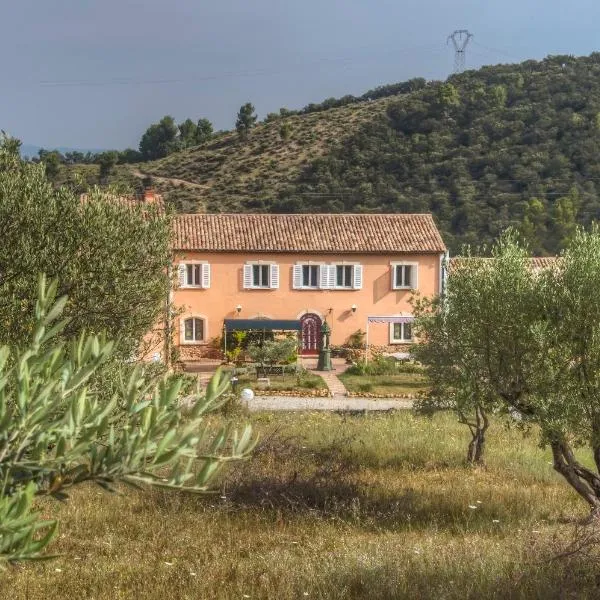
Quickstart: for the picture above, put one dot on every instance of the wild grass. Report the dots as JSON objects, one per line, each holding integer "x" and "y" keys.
{"x": 331, "y": 506}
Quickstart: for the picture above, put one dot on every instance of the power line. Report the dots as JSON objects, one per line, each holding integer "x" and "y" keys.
{"x": 261, "y": 72}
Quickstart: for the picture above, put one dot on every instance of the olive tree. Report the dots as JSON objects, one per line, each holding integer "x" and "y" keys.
{"x": 111, "y": 258}
{"x": 566, "y": 402}
{"x": 56, "y": 432}
{"x": 477, "y": 342}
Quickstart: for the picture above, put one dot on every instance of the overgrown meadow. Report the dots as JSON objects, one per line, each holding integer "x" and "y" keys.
{"x": 331, "y": 506}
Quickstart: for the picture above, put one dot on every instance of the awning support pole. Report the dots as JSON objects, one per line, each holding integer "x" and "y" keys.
{"x": 367, "y": 343}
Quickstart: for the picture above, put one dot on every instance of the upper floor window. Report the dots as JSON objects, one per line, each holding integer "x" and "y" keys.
{"x": 343, "y": 276}
{"x": 401, "y": 333}
{"x": 348, "y": 277}
{"x": 194, "y": 274}
{"x": 404, "y": 276}
{"x": 308, "y": 276}
{"x": 261, "y": 276}
{"x": 193, "y": 330}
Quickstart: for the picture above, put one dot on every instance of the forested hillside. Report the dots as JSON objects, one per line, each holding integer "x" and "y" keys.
{"x": 505, "y": 145}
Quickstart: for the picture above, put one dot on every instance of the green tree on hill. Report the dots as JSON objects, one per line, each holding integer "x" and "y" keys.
{"x": 204, "y": 131}
{"x": 107, "y": 161}
{"x": 246, "y": 119}
{"x": 160, "y": 139}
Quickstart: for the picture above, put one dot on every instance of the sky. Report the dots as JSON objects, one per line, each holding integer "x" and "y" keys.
{"x": 97, "y": 73}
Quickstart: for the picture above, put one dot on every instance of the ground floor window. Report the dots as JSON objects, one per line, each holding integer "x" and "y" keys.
{"x": 401, "y": 333}
{"x": 193, "y": 329}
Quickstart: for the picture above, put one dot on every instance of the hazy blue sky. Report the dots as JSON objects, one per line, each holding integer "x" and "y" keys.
{"x": 96, "y": 73}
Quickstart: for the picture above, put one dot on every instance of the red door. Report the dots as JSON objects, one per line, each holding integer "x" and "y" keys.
{"x": 311, "y": 333}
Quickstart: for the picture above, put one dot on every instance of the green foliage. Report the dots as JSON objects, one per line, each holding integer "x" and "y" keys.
{"x": 193, "y": 134}
{"x": 56, "y": 433}
{"x": 380, "y": 365}
{"x": 204, "y": 131}
{"x": 273, "y": 352}
{"x": 510, "y": 338}
{"x": 478, "y": 345}
{"x": 356, "y": 339}
{"x": 160, "y": 139}
{"x": 51, "y": 161}
{"x": 474, "y": 151}
{"x": 107, "y": 161}
{"x": 111, "y": 260}
{"x": 285, "y": 131}
{"x": 246, "y": 119}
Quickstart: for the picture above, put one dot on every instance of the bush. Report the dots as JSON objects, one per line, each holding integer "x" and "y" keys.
{"x": 378, "y": 366}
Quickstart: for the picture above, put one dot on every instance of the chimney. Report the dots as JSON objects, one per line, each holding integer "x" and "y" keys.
{"x": 149, "y": 195}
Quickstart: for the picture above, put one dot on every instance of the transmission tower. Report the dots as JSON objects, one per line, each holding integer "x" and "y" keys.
{"x": 460, "y": 40}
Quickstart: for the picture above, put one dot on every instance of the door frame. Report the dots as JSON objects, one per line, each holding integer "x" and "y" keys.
{"x": 319, "y": 319}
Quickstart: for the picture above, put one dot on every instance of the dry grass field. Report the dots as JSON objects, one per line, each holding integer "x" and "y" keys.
{"x": 331, "y": 506}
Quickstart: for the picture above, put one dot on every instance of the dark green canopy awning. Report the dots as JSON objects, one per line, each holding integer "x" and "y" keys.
{"x": 262, "y": 325}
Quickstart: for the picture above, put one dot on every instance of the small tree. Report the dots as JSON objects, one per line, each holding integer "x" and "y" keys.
{"x": 246, "y": 119}
{"x": 478, "y": 342}
{"x": 272, "y": 352}
{"x": 56, "y": 433}
{"x": 204, "y": 131}
{"x": 107, "y": 161}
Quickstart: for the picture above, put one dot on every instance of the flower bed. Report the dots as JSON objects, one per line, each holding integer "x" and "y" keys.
{"x": 299, "y": 393}
{"x": 375, "y": 395}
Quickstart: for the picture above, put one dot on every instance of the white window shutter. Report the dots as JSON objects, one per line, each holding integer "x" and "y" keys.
{"x": 274, "y": 276}
{"x": 331, "y": 279}
{"x": 205, "y": 275}
{"x": 182, "y": 275}
{"x": 247, "y": 283}
{"x": 182, "y": 329}
{"x": 297, "y": 277}
{"x": 358, "y": 277}
{"x": 414, "y": 277}
{"x": 394, "y": 282}
{"x": 324, "y": 277}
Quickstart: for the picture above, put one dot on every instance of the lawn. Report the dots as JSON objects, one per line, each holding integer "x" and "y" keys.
{"x": 401, "y": 384}
{"x": 331, "y": 506}
{"x": 302, "y": 381}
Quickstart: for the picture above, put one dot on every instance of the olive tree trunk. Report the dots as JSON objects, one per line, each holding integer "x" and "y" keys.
{"x": 478, "y": 429}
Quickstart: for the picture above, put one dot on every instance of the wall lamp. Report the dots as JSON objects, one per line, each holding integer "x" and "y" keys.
{"x": 353, "y": 308}
{"x": 238, "y": 309}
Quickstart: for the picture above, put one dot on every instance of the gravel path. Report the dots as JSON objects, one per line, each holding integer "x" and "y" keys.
{"x": 337, "y": 403}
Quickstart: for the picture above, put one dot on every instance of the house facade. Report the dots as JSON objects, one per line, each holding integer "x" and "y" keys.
{"x": 358, "y": 272}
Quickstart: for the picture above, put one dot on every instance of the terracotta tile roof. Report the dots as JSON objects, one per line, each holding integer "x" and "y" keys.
{"x": 536, "y": 262}
{"x": 323, "y": 233}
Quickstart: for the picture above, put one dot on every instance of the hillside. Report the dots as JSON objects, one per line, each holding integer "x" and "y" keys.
{"x": 505, "y": 145}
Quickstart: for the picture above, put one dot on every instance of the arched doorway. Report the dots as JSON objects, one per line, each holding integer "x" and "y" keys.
{"x": 311, "y": 333}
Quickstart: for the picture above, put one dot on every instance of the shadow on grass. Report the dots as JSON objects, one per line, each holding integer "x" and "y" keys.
{"x": 374, "y": 509}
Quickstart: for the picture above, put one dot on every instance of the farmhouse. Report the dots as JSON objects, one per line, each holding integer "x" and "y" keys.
{"x": 357, "y": 271}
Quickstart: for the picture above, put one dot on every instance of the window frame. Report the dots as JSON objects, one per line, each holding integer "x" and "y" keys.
{"x": 200, "y": 265}
{"x": 415, "y": 275}
{"x": 354, "y": 266}
{"x": 261, "y": 269}
{"x": 318, "y": 266}
{"x": 401, "y": 340}
{"x": 271, "y": 266}
{"x": 194, "y": 342}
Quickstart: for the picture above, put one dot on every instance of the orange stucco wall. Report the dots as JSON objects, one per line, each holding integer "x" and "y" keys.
{"x": 375, "y": 298}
